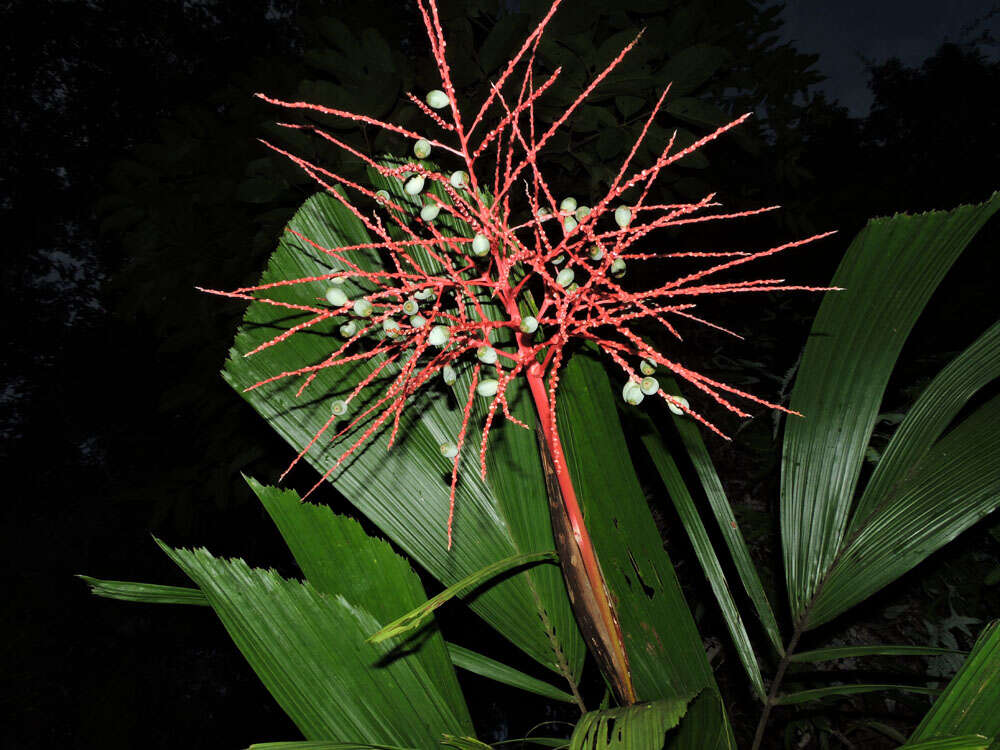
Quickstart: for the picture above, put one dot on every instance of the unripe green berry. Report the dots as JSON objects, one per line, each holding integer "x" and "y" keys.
{"x": 449, "y": 375}
{"x": 381, "y": 197}
{"x": 568, "y": 204}
{"x": 438, "y": 336}
{"x": 424, "y": 294}
{"x": 569, "y": 224}
{"x": 559, "y": 259}
{"x": 348, "y": 329}
{"x": 632, "y": 393}
{"x": 649, "y": 385}
{"x": 459, "y": 179}
{"x": 418, "y": 321}
{"x": 339, "y": 280}
{"x": 674, "y": 403}
{"x": 582, "y": 212}
{"x": 572, "y": 287}
{"x": 618, "y": 268}
{"x": 623, "y": 215}
{"x": 362, "y": 308}
{"x": 565, "y": 277}
{"x": 480, "y": 245}
{"x": 449, "y": 450}
{"x": 339, "y": 407}
{"x": 422, "y": 148}
{"x": 487, "y": 355}
{"x": 647, "y": 367}
{"x": 543, "y": 212}
{"x": 596, "y": 252}
{"x": 410, "y": 307}
{"x": 391, "y": 327}
{"x": 528, "y": 324}
{"x": 414, "y": 185}
{"x": 487, "y": 388}
{"x": 430, "y": 211}
{"x": 336, "y": 296}
{"x": 437, "y": 99}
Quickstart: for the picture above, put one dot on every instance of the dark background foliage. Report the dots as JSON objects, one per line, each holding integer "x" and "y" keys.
{"x": 131, "y": 173}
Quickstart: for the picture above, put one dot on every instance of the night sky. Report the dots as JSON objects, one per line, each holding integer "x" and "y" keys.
{"x": 846, "y": 33}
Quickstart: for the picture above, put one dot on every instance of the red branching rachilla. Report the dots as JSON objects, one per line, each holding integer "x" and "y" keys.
{"x": 425, "y": 315}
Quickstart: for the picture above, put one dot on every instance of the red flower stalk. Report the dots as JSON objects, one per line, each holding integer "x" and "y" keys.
{"x": 425, "y": 313}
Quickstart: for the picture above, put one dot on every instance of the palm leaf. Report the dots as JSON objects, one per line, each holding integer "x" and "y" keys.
{"x": 963, "y": 742}
{"x": 404, "y": 491}
{"x": 923, "y": 424}
{"x": 848, "y": 652}
{"x": 888, "y": 274}
{"x": 338, "y": 558}
{"x": 484, "y": 666}
{"x": 666, "y": 655}
{"x": 969, "y": 703}
{"x": 704, "y": 726}
{"x": 144, "y": 593}
{"x": 463, "y": 658}
{"x": 705, "y": 552}
{"x": 723, "y": 512}
{"x": 419, "y": 614}
{"x": 463, "y": 743}
{"x": 815, "y": 694}
{"x": 309, "y": 650}
{"x": 643, "y": 726}
{"x": 956, "y": 483}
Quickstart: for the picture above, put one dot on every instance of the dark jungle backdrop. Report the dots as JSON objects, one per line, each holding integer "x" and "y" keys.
{"x": 130, "y": 172}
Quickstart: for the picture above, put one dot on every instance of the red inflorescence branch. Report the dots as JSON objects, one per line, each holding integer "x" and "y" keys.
{"x": 423, "y": 314}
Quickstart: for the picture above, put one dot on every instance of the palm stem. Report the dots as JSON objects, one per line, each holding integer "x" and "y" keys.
{"x": 775, "y": 687}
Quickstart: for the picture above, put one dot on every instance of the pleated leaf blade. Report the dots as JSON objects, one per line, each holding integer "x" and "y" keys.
{"x": 705, "y": 552}
{"x": 404, "y": 491}
{"x": 725, "y": 518}
{"x": 338, "y": 558}
{"x": 484, "y": 666}
{"x": 969, "y": 704}
{"x": 144, "y": 593}
{"x": 309, "y": 650}
{"x": 956, "y": 483}
{"x": 963, "y": 742}
{"x": 642, "y": 726}
{"x": 666, "y": 653}
{"x": 888, "y": 274}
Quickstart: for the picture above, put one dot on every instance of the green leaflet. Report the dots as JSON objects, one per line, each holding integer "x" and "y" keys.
{"x": 484, "y": 666}
{"x": 963, "y": 742}
{"x": 723, "y": 512}
{"x": 815, "y": 694}
{"x": 338, "y": 558}
{"x": 705, "y": 725}
{"x": 956, "y": 483}
{"x": 463, "y": 743}
{"x": 847, "y": 652}
{"x": 418, "y": 615}
{"x": 144, "y": 593}
{"x": 309, "y": 650}
{"x": 640, "y": 727}
{"x": 969, "y": 703}
{"x": 923, "y": 424}
{"x": 705, "y": 552}
{"x": 888, "y": 274}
